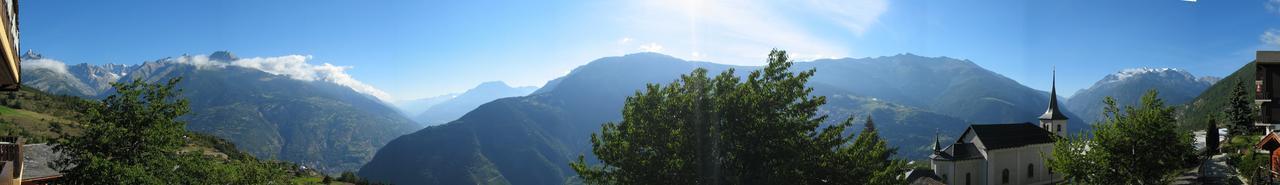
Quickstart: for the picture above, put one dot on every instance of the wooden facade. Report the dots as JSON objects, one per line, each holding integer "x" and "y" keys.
{"x": 10, "y": 70}
{"x": 1271, "y": 144}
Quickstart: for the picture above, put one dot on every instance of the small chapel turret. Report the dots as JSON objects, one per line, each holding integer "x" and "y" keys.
{"x": 1052, "y": 120}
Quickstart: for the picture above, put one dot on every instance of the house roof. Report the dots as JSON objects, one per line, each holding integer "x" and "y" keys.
{"x": 923, "y": 177}
{"x": 1269, "y": 142}
{"x": 1267, "y": 57}
{"x": 36, "y": 158}
{"x": 1000, "y": 136}
{"x": 958, "y": 151}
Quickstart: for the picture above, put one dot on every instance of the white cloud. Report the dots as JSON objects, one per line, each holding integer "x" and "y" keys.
{"x": 857, "y": 15}
{"x": 200, "y": 61}
{"x": 742, "y": 31}
{"x": 293, "y": 66}
{"x": 651, "y": 47}
{"x": 1271, "y": 37}
{"x": 1273, "y": 6}
{"x": 296, "y": 66}
{"x": 48, "y": 64}
{"x": 624, "y": 40}
{"x": 696, "y": 55}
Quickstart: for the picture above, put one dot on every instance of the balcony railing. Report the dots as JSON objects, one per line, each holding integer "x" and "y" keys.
{"x": 1259, "y": 92}
{"x": 1263, "y": 118}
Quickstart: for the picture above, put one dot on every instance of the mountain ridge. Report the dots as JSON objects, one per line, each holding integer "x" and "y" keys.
{"x": 1176, "y": 86}
{"x": 452, "y": 108}
{"x": 530, "y": 139}
{"x": 315, "y": 123}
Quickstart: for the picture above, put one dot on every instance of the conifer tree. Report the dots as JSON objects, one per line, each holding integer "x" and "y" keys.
{"x": 1240, "y": 110}
{"x": 1211, "y": 136}
{"x": 870, "y": 125}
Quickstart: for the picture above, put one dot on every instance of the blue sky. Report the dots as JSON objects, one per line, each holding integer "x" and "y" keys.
{"x": 414, "y": 49}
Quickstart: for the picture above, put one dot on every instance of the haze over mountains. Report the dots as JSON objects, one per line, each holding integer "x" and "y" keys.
{"x": 415, "y": 106}
{"x": 1176, "y": 86}
{"x": 449, "y": 109}
{"x": 274, "y": 108}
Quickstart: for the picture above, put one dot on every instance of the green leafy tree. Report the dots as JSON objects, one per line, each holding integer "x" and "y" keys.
{"x": 1136, "y": 145}
{"x": 1239, "y": 110}
{"x": 723, "y": 130}
{"x": 134, "y": 137}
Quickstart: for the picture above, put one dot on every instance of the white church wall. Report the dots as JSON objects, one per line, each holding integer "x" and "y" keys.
{"x": 1016, "y": 161}
{"x": 1034, "y": 155}
{"x": 1001, "y": 160}
{"x": 971, "y": 167}
{"x": 944, "y": 169}
{"x": 953, "y": 172}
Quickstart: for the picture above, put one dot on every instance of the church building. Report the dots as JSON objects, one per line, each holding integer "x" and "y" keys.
{"x": 1002, "y": 153}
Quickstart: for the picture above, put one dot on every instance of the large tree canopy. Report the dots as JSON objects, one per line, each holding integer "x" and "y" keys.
{"x": 723, "y": 130}
{"x": 1134, "y": 145}
{"x": 135, "y": 137}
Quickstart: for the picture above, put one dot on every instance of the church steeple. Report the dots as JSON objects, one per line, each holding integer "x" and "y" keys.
{"x": 1052, "y": 113}
{"x": 1052, "y": 120}
{"x": 937, "y": 142}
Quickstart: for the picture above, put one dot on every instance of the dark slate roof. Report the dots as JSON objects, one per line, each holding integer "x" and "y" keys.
{"x": 959, "y": 151}
{"x": 923, "y": 177}
{"x": 1052, "y": 113}
{"x": 927, "y": 181}
{"x": 36, "y": 158}
{"x": 999, "y": 136}
{"x": 966, "y": 151}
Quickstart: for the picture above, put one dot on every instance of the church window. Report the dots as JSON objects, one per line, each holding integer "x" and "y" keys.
{"x": 1031, "y": 170}
{"x": 966, "y": 178}
{"x": 1004, "y": 178}
{"x": 1059, "y": 128}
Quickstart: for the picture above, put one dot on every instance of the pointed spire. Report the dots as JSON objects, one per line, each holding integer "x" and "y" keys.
{"x": 937, "y": 141}
{"x": 1052, "y": 112}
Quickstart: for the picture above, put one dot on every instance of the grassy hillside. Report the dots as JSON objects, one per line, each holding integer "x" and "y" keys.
{"x": 1192, "y": 116}
{"x": 37, "y": 116}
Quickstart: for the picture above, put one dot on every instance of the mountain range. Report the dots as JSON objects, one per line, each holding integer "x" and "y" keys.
{"x": 81, "y": 80}
{"x": 1176, "y": 86}
{"x": 531, "y": 139}
{"x": 315, "y": 123}
{"x": 497, "y": 134}
{"x": 449, "y": 109}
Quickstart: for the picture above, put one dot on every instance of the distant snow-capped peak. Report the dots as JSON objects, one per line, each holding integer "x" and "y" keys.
{"x": 31, "y": 55}
{"x": 1146, "y": 71}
